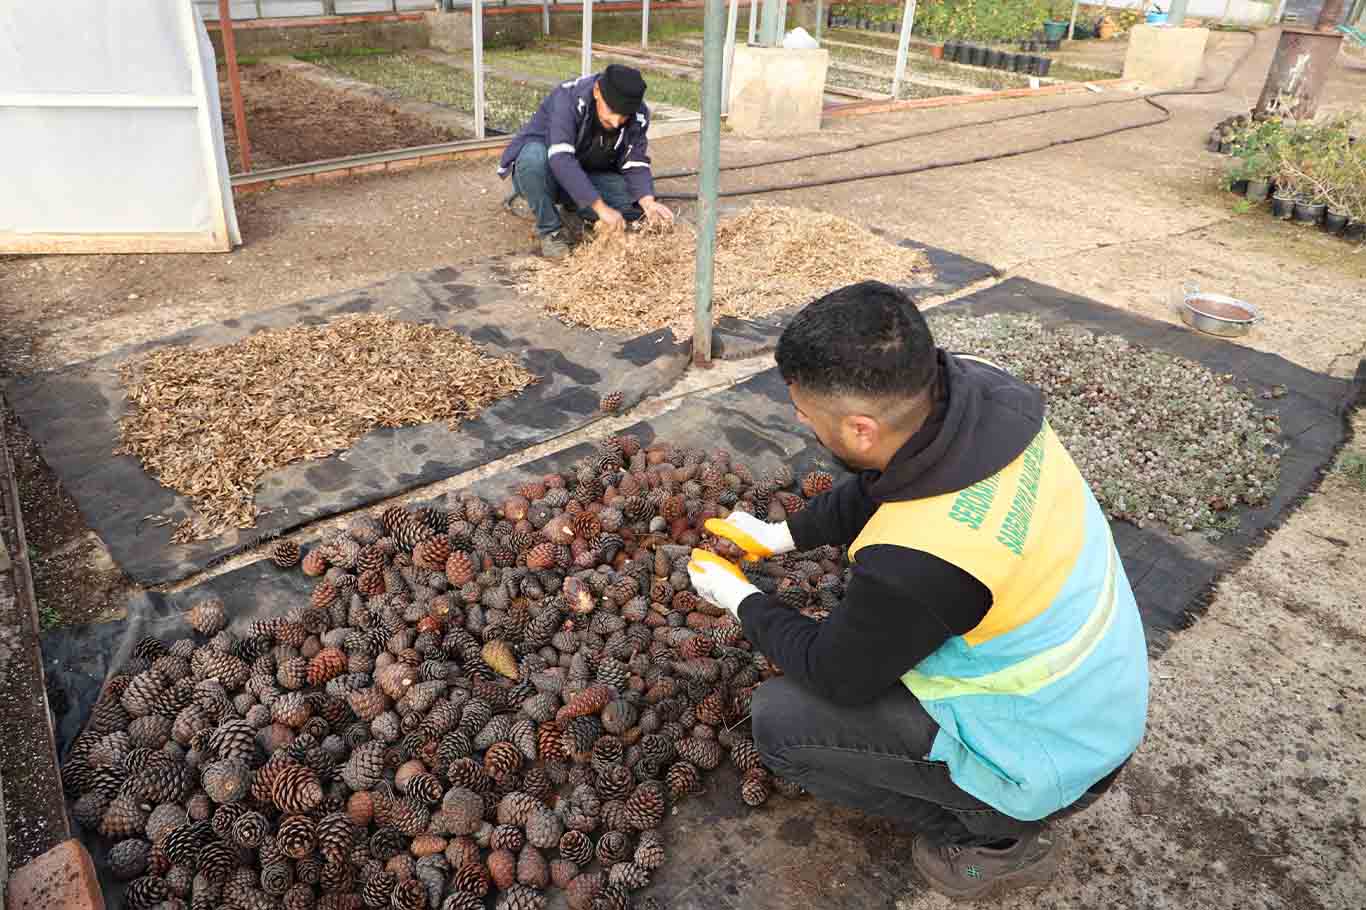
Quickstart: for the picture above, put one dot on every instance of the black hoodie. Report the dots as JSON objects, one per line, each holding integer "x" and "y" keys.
{"x": 900, "y": 604}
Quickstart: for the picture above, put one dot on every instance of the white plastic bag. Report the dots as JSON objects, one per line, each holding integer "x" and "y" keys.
{"x": 799, "y": 38}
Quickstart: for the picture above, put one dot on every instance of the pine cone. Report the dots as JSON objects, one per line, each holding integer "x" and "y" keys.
{"x": 285, "y": 554}
{"x": 250, "y": 829}
{"x": 745, "y": 755}
{"x": 754, "y": 787}
{"x": 296, "y": 836}
{"x": 532, "y": 868}
{"x": 562, "y": 872}
{"x": 582, "y": 890}
{"x": 502, "y": 760}
{"x": 459, "y": 900}
{"x": 646, "y": 806}
{"x": 498, "y": 655}
{"x": 410, "y": 894}
{"x": 432, "y": 554}
{"x": 335, "y": 835}
{"x": 628, "y": 876}
{"x": 226, "y": 780}
{"x": 145, "y": 893}
{"x": 611, "y": 897}
{"x": 502, "y": 865}
{"x": 649, "y": 852}
{"x": 611, "y": 402}
{"x": 208, "y": 617}
{"x": 576, "y": 847}
{"x": 471, "y": 878}
{"x": 613, "y": 847}
{"x": 704, "y": 753}
{"x": 124, "y": 818}
{"x": 543, "y": 828}
{"x": 128, "y": 858}
{"x": 378, "y": 889}
{"x": 615, "y": 781}
{"x": 507, "y": 837}
{"x": 463, "y": 810}
{"x": 683, "y": 779}
{"x": 296, "y": 788}
{"x": 314, "y": 563}
{"x": 326, "y": 665}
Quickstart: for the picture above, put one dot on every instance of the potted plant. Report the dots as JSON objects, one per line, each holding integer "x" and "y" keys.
{"x": 1055, "y": 26}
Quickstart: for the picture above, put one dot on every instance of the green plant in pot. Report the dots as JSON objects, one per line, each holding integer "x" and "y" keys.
{"x": 1256, "y": 168}
{"x": 1059, "y": 15}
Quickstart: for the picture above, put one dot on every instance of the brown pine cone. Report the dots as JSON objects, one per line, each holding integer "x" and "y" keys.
{"x": 611, "y": 897}
{"x": 432, "y": 554}
{"x": 502, "y": 866}
{"x": 296, "y": 788}
{"x": 613, "y": 847}
{"x": 471, "y": 878}
{"x": 378, "y": 889}
{"x": 410, "y": 894}
{"x": 336, "y": 833}
{"x": 816, "y": 483}
{"x": 463, "y": 810}
{"x": 507, "y": 837}
{"x": 704, "y": 753}
{"x": 327, "y": 664}
{"x": 296, "y": 836}
{"x": 576, "y": 847}
{"x": 145, "y": 893}
{"x": 285, "y": 554}
{"x": 124, "y": 818}
{"x": 647, "y": 805}
{"x": 314, "y": 564}
{"x": 502, "y": 760}
{"x": 582, "y": 890}
{"x": 755, "y": 787}
{"x": 683, "y": 779}
{"x": 532, "y": 868}
{"x": 562, "y": 872}
{"x": 498, "y": 655}
{"x": 628, "y": 876}
{"x": 745, "y": 755}
{"x": 650, "y": 851}
{"x": 208, "y": 617}
{"x": 227, "y": 780}
{"x": 543, "y": 828}
{"x": 128, "y": 858}
{"x": 459, "y": 900}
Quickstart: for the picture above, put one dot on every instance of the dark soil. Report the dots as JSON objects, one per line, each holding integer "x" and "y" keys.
{"x": 35, "y": 811}
{"x": 291, "y": 121}
{"x": 74, "y": 578}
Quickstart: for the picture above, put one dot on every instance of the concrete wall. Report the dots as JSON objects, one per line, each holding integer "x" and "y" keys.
{"x": 267, "y": 40}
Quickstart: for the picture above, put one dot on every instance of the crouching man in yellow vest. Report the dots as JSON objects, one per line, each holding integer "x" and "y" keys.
{"x": 987, "y": 670}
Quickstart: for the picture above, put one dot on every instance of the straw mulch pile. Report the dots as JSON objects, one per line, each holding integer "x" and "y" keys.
{"x": 768, "y": 258}
{"x": 210, "y": 422}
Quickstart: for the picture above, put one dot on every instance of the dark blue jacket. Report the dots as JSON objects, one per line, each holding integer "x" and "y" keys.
{"x": 563, "y": 123}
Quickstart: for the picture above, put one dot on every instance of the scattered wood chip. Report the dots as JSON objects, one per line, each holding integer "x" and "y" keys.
{"x": 768, "y": 258}
{"x": 210, "y": 422}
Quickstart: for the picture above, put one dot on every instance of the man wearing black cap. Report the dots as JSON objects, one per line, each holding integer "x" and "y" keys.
{"x": 585, "y": 148}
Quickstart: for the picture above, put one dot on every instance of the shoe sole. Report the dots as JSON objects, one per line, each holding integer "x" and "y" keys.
{"x": 1031, "y": 877}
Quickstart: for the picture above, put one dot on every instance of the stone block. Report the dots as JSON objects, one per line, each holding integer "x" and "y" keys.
{"x": 777, "y": 91}
{"x": 1166, "y": 58}
{"x": 63, "y": 878}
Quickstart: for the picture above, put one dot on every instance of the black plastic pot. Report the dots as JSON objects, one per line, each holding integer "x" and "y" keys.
{"x": 1035, "y": 62}
{"x": 950, "y": 51}
{"x": 995, "y": 58}
{"x": 1283, "y": 206}
{"x": 1309, "y": 212}
{"x": 1335, "y": 222}
{"x": 1257, "y": 190}
{"x": 1356, "y": 231}
{"x": 1045, "y": 63}
{"x": 978, "y": 55}
{"x": 1009, "y": 61}
{"x": 1239, "y": 187}
{"x": 1053, "y": 45}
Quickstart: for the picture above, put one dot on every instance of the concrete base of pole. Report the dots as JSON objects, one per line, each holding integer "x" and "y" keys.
{"x": 777, "y": 91}
{"x": 1302, "y": 63}
{"x": 1165, "y": 58}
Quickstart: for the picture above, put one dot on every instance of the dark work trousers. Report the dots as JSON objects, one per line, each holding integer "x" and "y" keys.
{"x": 532, "y": 178}
{"x": 871, "y": 758}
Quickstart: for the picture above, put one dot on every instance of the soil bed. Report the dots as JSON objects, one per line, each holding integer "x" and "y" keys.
{"x": 291, "y": 120}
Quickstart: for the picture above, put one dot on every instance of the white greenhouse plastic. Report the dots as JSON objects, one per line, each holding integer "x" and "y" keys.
{"x": 113, "y": 138}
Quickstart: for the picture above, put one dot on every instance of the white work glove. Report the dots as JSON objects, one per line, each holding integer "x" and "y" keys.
{"x": 759, "y": 539}
{"x": 719, "y": 581}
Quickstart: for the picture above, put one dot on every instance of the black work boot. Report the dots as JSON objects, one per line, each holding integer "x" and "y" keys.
{"x": 968, "y": 873}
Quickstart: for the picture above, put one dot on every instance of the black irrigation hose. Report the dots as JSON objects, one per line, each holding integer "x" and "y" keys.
{"x": 995, "y": 156}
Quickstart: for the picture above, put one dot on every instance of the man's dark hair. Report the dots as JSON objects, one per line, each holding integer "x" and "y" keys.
{"x": 867, "y": 339}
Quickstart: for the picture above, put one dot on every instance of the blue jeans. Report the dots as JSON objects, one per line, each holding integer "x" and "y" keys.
{"x": 534, "y": 182}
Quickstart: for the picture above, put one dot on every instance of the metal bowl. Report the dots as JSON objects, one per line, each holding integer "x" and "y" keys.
{"x": 1216, "y": 314}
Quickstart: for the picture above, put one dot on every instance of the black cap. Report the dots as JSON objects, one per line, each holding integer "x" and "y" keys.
{"x": 622, "y": 89}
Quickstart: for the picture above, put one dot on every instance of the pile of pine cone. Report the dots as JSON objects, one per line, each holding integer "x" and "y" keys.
{"x": 478, "y": 702}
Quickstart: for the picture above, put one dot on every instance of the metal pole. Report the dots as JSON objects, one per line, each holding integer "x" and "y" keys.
{"x": 1072, "y": 26}
{"x": 1329, "y": 14}
{"x": 820, "y": 20}
{"x": 586, "y": 53}
{"x": 768, "y": 24}
{"x": 709, "y": 166}
{"x": 545, "y": 18}
{"x": 730, "y": 54}
{"x": 645, "y": 25}
{"x": 477, "y": 43}
{"x": 782, "y": 23}
{"x": 1303, "y": 60}
{"x": 903, "y": 47}
{"x": 239, "y": 110}
{"x": 1177, "y": 14}
{"x": 753, "y": 21}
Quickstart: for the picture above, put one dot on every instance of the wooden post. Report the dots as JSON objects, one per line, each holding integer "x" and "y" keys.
{"x": 239, "y": 110}
{"x": 645, "y": 25}
{"x": 730, "y": 54}
{"x": 477, "y": 46}
{"x": 586, "y": 42}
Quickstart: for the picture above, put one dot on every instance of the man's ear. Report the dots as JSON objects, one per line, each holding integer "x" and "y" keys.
{"x": 862, "y": 432}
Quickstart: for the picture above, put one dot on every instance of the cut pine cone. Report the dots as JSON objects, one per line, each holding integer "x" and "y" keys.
{"x": 518, "y": 690}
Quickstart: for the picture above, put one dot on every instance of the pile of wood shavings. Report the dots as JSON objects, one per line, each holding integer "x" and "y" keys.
{"x": 768, "y": 258}
{"x": 210, "y": 422}
{"x": 1160, "y": 439}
